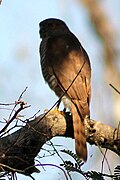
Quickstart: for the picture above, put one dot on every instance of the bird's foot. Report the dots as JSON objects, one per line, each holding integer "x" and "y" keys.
{"x": 55, "y": 110}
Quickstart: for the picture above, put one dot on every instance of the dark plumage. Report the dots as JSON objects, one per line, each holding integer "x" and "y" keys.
{"x": 64, "y": 62}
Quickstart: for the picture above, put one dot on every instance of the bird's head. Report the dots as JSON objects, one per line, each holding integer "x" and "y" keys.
{"x": 52, "y": 27}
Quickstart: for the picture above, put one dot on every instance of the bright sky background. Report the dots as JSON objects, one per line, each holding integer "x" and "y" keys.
{"x": 19, "y": 60}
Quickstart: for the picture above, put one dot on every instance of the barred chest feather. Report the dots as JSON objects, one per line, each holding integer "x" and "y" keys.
{"x": 50, "y": 77}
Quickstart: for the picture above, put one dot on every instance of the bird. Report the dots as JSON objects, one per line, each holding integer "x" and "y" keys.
{"x": 66, "y": 68}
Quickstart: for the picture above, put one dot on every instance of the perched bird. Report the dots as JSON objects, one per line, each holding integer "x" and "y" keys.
{"x": 66, "y": 68}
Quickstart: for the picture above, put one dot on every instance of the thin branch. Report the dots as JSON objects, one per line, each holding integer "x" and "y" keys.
{"x": 22, "y": 106}
{"x": 20, "y": 97}
{"x": 7, "y": 104}
{"x": 115, "y": 88}
{"x": 53, "y": 165}
{"x": 17, "y": 102}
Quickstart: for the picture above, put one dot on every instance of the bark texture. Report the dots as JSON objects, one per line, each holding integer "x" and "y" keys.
{"x": 18, "y": 150}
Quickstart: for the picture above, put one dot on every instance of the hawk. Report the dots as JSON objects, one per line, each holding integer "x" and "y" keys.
{"x": 66, "y": 68}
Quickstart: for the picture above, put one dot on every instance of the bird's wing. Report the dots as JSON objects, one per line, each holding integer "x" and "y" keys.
{"x": 73, "y": 76}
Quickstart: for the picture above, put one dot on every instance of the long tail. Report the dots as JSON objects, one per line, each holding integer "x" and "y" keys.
{"x": 79, "y": 134}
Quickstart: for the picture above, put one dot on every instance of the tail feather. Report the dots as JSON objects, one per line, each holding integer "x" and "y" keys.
{"x": 79, "y": 134}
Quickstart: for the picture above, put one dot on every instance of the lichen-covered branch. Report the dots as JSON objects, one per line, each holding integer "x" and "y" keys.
{"x": 103, "y": 135}
{"x": 19, "y": 149}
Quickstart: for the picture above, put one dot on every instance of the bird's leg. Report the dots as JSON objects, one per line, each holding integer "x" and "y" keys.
{"x": 56, "y": 109}
{"x": 58, "y": 104}
{"x": 64, "y": 110}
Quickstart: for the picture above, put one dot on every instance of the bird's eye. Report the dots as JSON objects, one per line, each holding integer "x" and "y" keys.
{"x": 52, "y": 26}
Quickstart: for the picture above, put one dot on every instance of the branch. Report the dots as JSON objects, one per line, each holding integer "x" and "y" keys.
{"x": 19, "y": 149}
{"x": 22, "y": 106}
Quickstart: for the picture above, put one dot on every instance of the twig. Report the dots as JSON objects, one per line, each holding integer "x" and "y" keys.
{"x": 104, "y": 159}
{"x": 115, "y": 88}
{"x": 7, "y": 104}
{"x": 20, "y": 97}
{"x": 14, "y": 116}
{"x": 53, "y": 165}
{"x": 17, "y": 102}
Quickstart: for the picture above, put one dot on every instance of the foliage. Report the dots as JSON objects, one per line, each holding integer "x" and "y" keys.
{"x": 92, "y": 175}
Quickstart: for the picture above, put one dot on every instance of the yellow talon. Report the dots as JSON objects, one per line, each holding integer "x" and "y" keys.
{"x": 56, "y": 110}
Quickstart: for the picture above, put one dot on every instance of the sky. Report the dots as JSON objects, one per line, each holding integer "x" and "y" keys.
{"x": 20, "y": 66}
